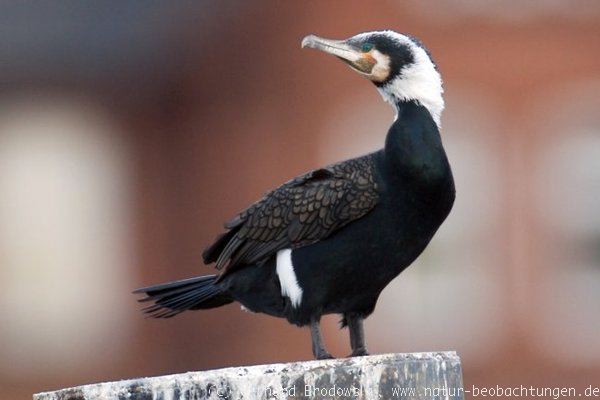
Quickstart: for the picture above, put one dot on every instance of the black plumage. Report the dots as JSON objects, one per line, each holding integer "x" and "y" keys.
{"x": 329, "y": 241}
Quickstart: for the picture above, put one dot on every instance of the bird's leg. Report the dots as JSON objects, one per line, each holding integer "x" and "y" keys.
{"x": 318, "y": 348}
{"x": 357, "y": 335}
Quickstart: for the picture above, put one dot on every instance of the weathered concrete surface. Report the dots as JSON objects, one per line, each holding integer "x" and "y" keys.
{"x": 388, "y": 376}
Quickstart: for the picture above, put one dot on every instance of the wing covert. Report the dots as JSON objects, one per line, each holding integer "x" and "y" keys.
{"x": 300, "y": 212}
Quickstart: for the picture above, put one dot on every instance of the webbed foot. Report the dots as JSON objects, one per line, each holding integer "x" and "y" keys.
{"x": 324, "y": 356}
{"x": 359, "y": 352}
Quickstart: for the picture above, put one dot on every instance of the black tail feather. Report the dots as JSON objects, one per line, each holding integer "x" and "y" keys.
{"x": 158, "y": 291}
{"x": 173, "y": 298}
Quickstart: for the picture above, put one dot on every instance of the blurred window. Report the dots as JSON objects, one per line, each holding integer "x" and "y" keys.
{"x": 567, "y": 199}
{"x": 64, "y": 237}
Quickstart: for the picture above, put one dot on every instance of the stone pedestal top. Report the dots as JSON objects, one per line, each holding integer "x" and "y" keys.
{"x": 388, "y": 376}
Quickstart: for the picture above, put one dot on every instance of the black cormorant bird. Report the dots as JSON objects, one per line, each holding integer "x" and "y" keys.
{"x": 329, "y": 241}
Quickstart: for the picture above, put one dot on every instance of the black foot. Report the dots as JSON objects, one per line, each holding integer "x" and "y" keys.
{"x": 325, "y": 356}
{"x": 318, "y": 348}
{"x": 359, "y": 352}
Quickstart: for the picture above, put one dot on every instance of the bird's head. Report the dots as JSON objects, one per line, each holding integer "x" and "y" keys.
{"x": 399, "y": 65}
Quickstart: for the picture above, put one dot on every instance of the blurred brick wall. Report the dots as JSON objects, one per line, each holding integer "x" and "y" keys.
{"x": 234, "y": 107}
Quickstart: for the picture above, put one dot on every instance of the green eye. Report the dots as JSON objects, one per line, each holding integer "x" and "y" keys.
{"x": 365, "y": 48}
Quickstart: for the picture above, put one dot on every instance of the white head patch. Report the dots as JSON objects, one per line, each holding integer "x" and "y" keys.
{"x": 419, "y": 81}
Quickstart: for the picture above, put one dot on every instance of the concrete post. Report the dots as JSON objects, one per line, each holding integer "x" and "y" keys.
{"x": 388, "y": 376}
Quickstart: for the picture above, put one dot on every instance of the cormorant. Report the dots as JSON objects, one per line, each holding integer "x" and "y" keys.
{"x": 329, "y": 241}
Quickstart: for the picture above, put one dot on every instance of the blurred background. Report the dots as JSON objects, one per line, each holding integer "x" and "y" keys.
{"x": 130, "y": 131}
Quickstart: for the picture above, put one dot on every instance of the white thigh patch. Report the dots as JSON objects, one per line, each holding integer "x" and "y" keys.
{"x": 287, "y": 277}
{"x": 244, "y": 308}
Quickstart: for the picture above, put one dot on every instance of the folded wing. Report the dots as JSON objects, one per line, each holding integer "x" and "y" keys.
{"x": 302, "y": 211}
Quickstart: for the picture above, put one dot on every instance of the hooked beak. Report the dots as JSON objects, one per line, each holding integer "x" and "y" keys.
{"x": 361, "y": 62}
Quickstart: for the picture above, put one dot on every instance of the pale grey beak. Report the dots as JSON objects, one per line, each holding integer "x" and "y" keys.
{"x": 342, "y": 50}
{"x": 338, "y": 48}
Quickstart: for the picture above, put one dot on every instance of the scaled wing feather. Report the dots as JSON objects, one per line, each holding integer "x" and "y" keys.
{"x": 298, "y": 213}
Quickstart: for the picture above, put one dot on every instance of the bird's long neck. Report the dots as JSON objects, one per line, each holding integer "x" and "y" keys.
{"x": 413, "y": 146}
